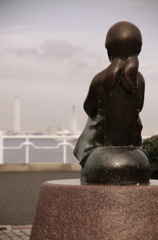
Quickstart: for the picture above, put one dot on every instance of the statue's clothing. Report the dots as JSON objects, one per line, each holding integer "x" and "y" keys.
{"x": 116, "y": 123}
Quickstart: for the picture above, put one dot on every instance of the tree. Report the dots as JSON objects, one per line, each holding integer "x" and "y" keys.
{"x": 150, "y": 145}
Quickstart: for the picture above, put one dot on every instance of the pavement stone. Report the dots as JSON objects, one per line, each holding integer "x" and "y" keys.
{"x": 15, "y": 232}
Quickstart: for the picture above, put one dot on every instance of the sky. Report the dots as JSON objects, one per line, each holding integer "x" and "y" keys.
{"x": 51, "y": 49}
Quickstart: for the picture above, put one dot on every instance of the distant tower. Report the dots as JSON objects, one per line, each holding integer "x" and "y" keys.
{"x": 17, "y": 115}
{"x": 74, "y": 124}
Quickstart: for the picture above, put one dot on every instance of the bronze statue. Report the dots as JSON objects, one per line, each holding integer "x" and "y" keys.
{"x": 109, "y": 148}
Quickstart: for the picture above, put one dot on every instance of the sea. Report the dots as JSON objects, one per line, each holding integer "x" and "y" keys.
{"x": 37, "y": 155}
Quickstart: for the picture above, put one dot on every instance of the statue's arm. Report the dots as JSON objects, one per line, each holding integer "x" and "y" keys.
{"x": 90, "y": 104}
{"x": 141, "y": 87}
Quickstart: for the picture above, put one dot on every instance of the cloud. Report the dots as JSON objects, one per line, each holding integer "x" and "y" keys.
{"x": 59, "y": 49}
{"x": 88, "y": 65}
{"x": 23, "y": 28}
{"x": 149, "y": 69}
{"x": 23, "y": 51}
{"x": 48, "y": 49}
{"x": 124, "y": 2}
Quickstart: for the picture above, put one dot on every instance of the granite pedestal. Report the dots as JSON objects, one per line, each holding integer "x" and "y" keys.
{"x": 67, "y": 210}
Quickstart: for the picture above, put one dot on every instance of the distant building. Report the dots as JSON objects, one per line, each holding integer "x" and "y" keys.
{"x": 74, "y": 123}
{"x": 17, "y": 116}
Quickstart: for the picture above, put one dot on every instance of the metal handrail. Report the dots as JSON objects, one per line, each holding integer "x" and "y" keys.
{"x": 64, "y": 141}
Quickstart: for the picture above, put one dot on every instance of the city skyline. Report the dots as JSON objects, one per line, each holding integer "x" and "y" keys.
{"x": 18, "y": 129}
{"x": 72, "y": 128}
{"x": 51, "y": 50}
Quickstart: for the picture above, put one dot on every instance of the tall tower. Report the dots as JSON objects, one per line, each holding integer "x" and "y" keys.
{"x": 74, "y": 124}
{"x": 17, "y": 115}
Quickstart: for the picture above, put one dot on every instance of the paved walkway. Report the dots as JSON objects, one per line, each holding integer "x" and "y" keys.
{"x": 15, "y": 232}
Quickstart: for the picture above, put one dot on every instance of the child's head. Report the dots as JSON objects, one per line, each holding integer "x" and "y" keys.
{"x": 123, "y": 40}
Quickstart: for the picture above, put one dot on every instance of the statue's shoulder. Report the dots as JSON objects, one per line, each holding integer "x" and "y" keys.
{"x": 141, "y": 80}
{"x": 97, "y": 79}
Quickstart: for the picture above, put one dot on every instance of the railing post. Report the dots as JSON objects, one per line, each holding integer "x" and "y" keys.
{"x": 64, "y": 151}
{"x": 1, "y": 147}
{"x": 27, "y": 151}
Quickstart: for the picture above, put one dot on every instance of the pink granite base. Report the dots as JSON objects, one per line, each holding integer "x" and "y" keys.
{"x": 67, "y": 210}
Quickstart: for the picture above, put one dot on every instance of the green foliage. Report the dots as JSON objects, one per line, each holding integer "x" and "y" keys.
{"x": 150, "y": 145}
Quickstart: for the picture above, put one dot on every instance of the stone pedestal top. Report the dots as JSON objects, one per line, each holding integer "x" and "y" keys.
{"x": 67, "y": 210}
{"x": 78, "y": 183}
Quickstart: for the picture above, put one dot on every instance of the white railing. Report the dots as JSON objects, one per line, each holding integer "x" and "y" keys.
{"x": 64, "y": 141}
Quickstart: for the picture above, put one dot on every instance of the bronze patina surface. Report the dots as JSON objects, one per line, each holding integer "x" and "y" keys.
{"x": 109, "y": 148}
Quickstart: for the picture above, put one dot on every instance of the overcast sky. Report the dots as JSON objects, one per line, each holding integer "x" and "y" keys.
{"x": 51, "y": 49}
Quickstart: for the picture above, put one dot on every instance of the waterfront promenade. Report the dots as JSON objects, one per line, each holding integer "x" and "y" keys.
{"x": 15, "y": 232}
{"x": 20, "y": 185}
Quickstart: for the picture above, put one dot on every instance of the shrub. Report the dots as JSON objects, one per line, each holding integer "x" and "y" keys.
{"x": 150, "y": 145}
